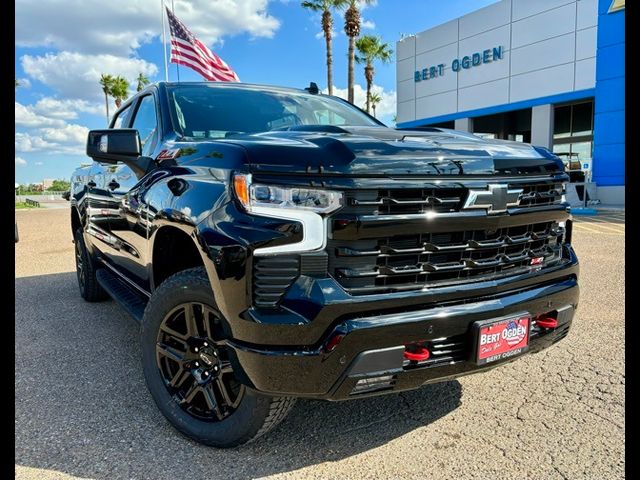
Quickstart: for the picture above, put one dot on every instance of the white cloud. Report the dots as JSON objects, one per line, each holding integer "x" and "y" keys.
{"x": 51, "y": 112}
{"x": 69, "y": 139}
{"x": 26, "y": 117}
{"x": 122, "y": 26}
{"x": 39, "y": 163}
{"x": 24, "y": 82}
{"x": 369, "y": 24}
{"x": 66, "y": 109}
{"x": 76, "y": 75}
{"x": 385, "y": 110}
{"x": 21, "y": 162}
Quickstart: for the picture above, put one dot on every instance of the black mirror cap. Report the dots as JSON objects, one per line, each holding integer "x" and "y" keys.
{"x": 113, "y": 145}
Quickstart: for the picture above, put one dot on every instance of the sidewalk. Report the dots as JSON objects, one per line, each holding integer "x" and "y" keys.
{"x": 609, "y": 208}
{"x": 597, "y": 209}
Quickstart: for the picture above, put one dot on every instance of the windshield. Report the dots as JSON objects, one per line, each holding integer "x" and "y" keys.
{"x": 201, "y": 111}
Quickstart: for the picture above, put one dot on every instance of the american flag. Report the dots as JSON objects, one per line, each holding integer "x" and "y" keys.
{"x": 187, "y": 50}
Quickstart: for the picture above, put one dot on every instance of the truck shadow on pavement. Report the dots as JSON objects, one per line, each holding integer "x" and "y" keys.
{"x": 82, "y": 407}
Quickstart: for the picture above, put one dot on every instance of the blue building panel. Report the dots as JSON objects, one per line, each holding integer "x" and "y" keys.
{"x": 611, "y": 172}
{"x": 609, "y": 121}
{"x": 610, "y": 62}
{"x": 607, "y": 128}
{"x": 612, "y": 24}
{"x": 611, "y": 103}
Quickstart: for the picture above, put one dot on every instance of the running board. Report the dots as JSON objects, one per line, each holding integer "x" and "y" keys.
{"x": 125, "y": 295}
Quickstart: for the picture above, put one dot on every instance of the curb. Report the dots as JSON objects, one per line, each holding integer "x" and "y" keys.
{"x": 584, "y": 211}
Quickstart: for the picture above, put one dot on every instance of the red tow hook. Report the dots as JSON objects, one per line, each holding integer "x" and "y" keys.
{"x": 547, "y": 322}
{"x": 418, "y": 355}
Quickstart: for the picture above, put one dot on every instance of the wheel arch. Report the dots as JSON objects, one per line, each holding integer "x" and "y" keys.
{"x": 173, "y": 250}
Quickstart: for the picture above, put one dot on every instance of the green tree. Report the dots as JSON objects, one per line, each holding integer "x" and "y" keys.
{"x": 352, "y": 25}
{"x": 370, "y": 49}
{"x": 120, "y": 90}
{"x": 325, "y": 6}
{"x": 106, "y": 82}
{"x": 375, "y": 99}
{"x": 143, "y": 81}
{"x": 17, "y": 83}
{"x": 60, "y": 186}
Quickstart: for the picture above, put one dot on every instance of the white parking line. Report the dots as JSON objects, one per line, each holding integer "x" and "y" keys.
{"x": 600, "y": 232}
{"x": 601, "y": 221}
{"x": 584, "y": 227}
{"x": 597, "y": 223}
{"x": 600, "y": 225}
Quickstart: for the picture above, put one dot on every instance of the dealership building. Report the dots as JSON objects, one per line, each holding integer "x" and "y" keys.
{"x": 547, "y": 72}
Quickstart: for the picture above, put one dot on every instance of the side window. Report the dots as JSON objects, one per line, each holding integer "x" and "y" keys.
{"x": 122, "y": 117}
{"x": 146, "y": 123}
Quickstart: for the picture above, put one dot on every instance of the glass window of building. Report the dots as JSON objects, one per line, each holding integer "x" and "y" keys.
{"x": 573, "y": 138}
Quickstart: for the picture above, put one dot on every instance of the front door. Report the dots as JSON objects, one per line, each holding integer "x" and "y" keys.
{"x": 130, "y": 227}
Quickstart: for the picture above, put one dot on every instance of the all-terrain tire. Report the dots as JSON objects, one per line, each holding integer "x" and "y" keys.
{"x": 254, "y": 415}
{"x": 90, "y": 289}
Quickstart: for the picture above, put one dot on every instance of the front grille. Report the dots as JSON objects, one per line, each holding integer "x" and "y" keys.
{"x": 539, "y": 194}
{"x": 410, "y": 262}
{"x": 395, "y": 201}
{"x": 272, "y": 276}
{"x": 369, "y": 254}
{"x": 405, "y": 201}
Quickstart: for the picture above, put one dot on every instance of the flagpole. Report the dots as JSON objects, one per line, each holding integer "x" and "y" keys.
{"x": 173, "y": 10}
{"x": 164, "y": 43}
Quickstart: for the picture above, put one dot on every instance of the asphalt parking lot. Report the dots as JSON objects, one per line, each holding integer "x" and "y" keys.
{"x": 83, "y": 411}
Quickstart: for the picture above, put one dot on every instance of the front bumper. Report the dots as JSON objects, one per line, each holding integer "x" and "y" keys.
{"x": 372, "y": 341}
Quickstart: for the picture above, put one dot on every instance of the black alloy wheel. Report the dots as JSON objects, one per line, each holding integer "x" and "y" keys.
{"x": 191, "y": 370}
{"x": 195, "y": 367}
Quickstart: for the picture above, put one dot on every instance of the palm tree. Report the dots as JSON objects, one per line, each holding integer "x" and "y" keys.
{"x": 370, "y": 49}
{"x": 120, "y": 89}
{"x": 375, "y": 99}
{"x": 17, "y": 83}
{"x": 352, "y": 23}
{"x": 325, "y": 7}
{"x": 106, "y": 82}
{"x": 143, "y": 81}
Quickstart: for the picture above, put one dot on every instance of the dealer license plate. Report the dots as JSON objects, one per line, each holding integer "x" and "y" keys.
{"x": 502, "y": 338}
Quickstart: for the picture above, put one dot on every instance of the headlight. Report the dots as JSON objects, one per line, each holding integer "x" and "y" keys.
{"x": 308, "y": 206}
{"x": 253, "y": 196}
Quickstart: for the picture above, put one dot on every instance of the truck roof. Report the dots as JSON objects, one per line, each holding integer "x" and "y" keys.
{"x": 247, "y": 86}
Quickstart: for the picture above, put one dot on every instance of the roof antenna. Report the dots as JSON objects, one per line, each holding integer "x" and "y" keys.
{"x": 312, "y": 88}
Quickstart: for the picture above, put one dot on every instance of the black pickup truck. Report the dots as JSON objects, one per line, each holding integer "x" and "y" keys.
{"x": 276, "y": 243}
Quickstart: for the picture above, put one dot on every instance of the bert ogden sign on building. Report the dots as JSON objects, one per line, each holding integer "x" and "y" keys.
{"x": 466, "y": 62}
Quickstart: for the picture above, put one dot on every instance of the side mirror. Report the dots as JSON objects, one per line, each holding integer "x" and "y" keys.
{"x": 113, "y": 146}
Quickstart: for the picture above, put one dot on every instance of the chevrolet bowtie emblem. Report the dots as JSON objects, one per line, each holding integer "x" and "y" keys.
{"x": 496, "y": 199}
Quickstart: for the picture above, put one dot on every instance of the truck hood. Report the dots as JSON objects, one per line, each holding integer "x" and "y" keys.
{"x": 382, "y": 151}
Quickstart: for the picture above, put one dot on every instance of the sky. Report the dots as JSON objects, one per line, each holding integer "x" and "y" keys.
{"x": 63, "y": 46}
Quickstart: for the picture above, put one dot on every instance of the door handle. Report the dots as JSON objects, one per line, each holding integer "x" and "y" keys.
{"x": 113, "y": 185}
{"x": 91, "y": 184}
